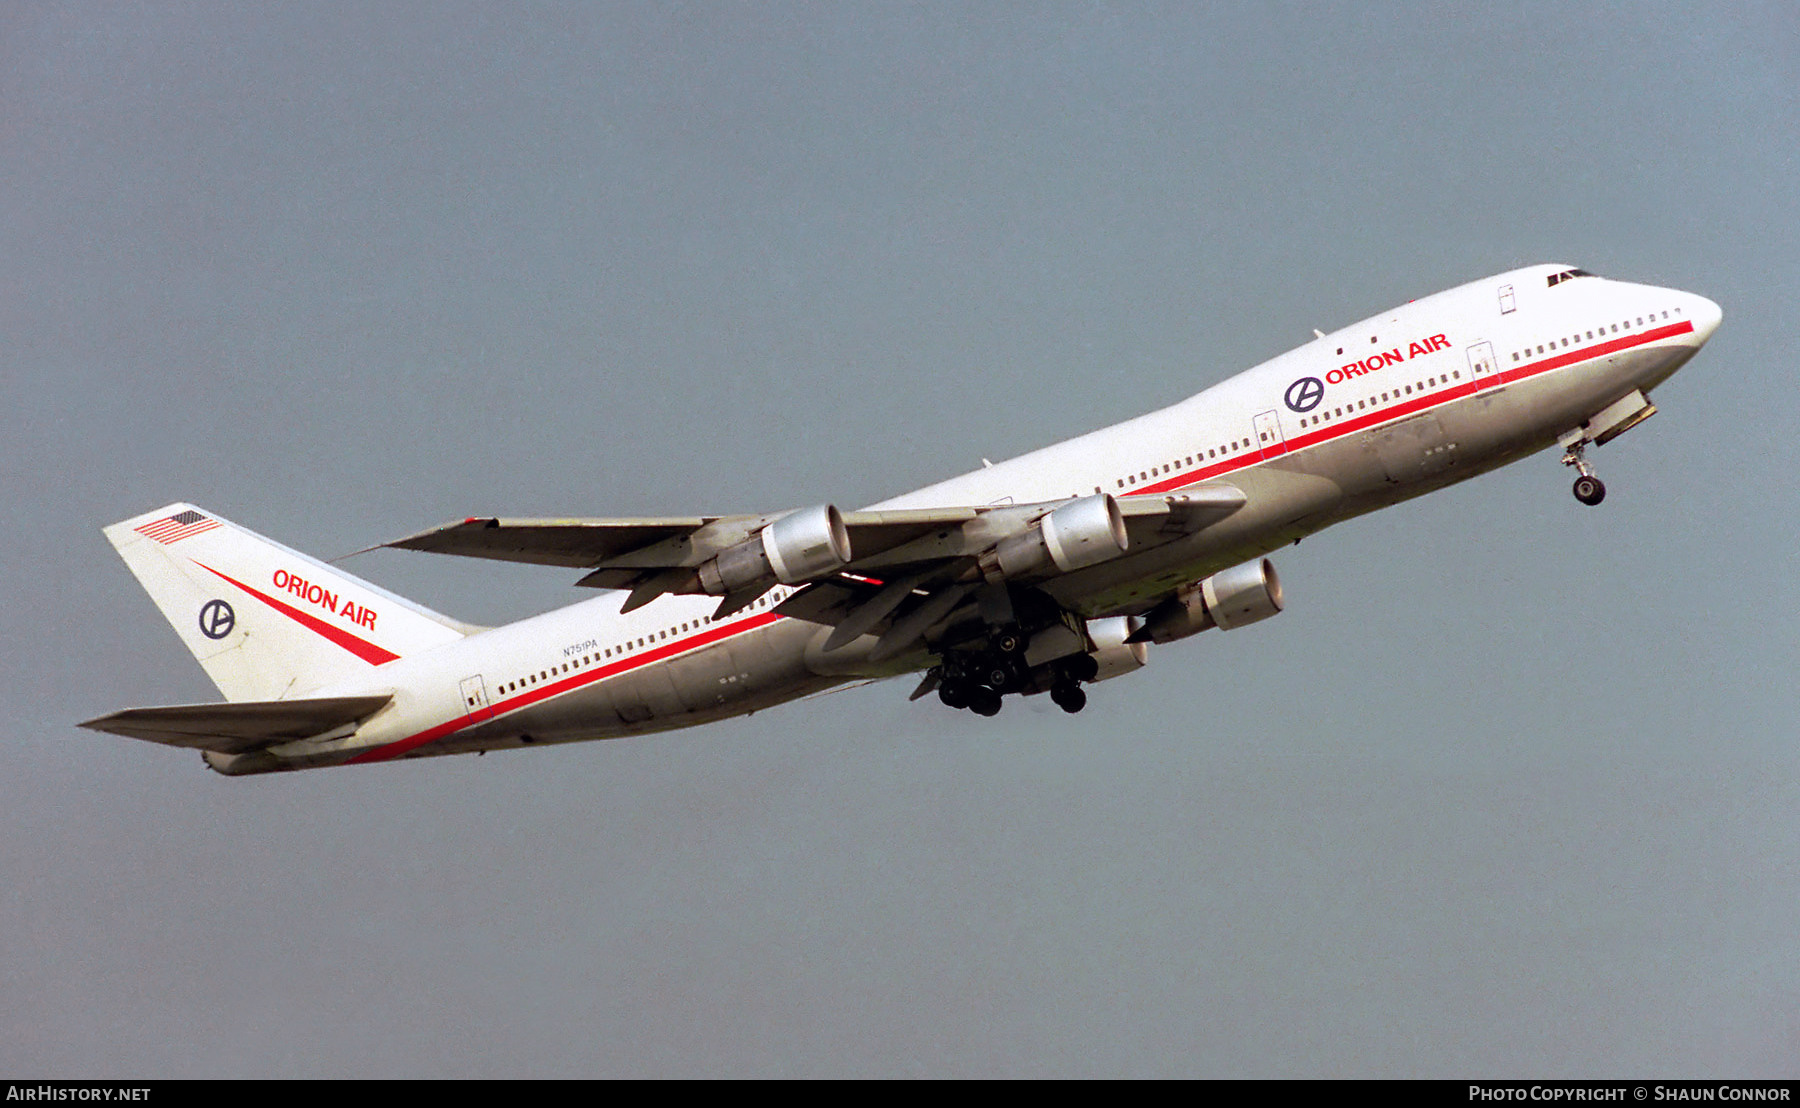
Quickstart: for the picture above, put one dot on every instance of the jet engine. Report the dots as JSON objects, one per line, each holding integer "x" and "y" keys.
{"x": 1081, "y": 533}
{"x": 1115, "y": 653}
{"x": 1231, "y": 598}
{"x": 795, "y": 548}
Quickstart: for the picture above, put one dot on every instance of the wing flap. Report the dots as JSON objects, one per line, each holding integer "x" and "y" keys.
{"x": 240, "y": 727}
{"x": 826, "y": 602}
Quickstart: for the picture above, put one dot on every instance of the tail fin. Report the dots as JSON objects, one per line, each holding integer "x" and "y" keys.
{"x": 266, "y": 622}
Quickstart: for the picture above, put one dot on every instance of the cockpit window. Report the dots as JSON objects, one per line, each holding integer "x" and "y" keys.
{"x": 1567, "y": 275}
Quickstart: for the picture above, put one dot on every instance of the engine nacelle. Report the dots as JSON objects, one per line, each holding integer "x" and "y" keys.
{"x": 1081, "y": 533}
{"x": 797, "y": 547}
{"x": 1114, "y": 653}
{"x": 1232, "y": 598}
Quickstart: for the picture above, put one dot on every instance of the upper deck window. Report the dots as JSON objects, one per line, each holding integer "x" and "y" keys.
{"x": 1567, "y": 275}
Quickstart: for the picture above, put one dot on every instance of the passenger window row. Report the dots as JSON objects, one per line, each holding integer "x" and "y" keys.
{"x": 1373, "y": 402}
{"x": 767, "y": 600}
{"x": 1602, "y": 331}
{"x": 1179, "y": 463}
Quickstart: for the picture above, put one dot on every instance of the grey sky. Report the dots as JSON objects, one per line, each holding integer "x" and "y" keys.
{"x": 1511, "y": 788}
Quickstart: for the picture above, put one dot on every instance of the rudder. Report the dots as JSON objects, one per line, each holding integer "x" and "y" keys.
{"x": 264, "y": 621}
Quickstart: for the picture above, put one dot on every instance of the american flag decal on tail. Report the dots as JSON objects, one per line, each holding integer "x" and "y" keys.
{"x": 174, "y": 528}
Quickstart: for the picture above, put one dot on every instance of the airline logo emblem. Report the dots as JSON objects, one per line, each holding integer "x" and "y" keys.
{"x": 217, "y": 619}
{"x": 1304, "y": 395}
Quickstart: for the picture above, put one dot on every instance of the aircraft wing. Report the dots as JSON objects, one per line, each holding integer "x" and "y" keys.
{"x": 240, "y": 727}
{"x": 572, "y": 543}
{"x": 877, "y": 539}
{"x": 636, "y": 545}
{"x": 907, "y": 556}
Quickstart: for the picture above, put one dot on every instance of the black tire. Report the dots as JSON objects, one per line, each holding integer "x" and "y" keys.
{"x": 999, "y": 676}
{"x": 1070, "y": 698}
{"x": 954, "y": 693}
{"x": 1009, "y": 642}
{"x": 985, "y": 701}
{"x": 1589, "y": 490}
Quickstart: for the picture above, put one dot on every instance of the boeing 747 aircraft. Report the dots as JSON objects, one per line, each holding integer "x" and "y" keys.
{"x": 1041, "y": 574}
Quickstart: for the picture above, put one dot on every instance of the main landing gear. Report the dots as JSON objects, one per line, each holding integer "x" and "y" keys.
{"x": 977, "y": 680}
{"x": 1589, "y": 489}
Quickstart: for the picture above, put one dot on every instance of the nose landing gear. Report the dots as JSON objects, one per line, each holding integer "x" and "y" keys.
{"x": 1589, "y": 489}
{"x": 1606, "y": 425}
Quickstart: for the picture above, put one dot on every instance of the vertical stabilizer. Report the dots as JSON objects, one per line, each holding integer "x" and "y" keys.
{"x": 266, "y": 622}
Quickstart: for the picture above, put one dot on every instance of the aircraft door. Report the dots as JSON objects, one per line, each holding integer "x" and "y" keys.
{"x": 1482, "y": 367}
{"x": 475, "y": 698}
{"x": 1268, "y": 434}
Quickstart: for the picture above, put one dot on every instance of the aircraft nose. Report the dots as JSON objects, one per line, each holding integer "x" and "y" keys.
{"x": 1705, "y": 315}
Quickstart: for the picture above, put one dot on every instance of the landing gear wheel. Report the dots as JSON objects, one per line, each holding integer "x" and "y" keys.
{"x": 955, "y": 692}
{"x": 984, "y": 701}
{"x": 1009, "y": 642}
{"x": 1070, "y": 698}
{"x": 1589, "y": 489}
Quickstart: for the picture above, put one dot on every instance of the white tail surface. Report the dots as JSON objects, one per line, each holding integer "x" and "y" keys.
{"x": 266, "y": 622}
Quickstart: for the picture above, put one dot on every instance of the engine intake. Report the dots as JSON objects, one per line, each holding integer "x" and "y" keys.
{"x": 1117, "y": 650}
{"x": 1081, "y": 533}
{"x": 1232, "y": 598}
{"x": 797, "y": 547}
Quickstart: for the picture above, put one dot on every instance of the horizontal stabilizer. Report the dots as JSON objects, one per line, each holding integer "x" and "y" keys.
{"x": 241, "y": 727}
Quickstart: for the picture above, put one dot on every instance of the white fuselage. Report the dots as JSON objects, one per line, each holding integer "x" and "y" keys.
{"x": 1408, "y": 401}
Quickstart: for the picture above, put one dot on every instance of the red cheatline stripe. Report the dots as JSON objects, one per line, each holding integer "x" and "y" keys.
{"x": 548, "y": 689}
{"x": 362, "y": 648}
{"x": 1412, "y": 406}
